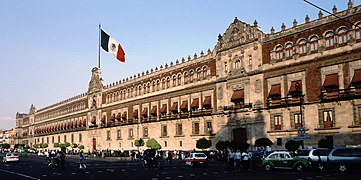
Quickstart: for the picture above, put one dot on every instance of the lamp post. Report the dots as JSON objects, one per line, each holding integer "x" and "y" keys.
{"x": 301, "y": 130}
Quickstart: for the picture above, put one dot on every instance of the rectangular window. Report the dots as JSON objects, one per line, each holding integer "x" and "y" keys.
{"x": 179, "y": 130}
{"x": 208, "y": 127}
{"x": 145, "y": 132}
{"x": 42, "y": 140}
{"x": 52, "y": 139}
{"x": 80, "y": 138}
{"x": 72, "y": 138}
{"x": 297, "y": 120}
{"x": 164, "y": 130}
{"x": 279, "y": 141}
{"x": 108, "y": 135}
{"x": 327, "y": 119}
{"x": 277, "y": 122}
{"x": 47, "y": 140}
{"x": 64, "y": 138}
{"x": 130, "y": 133}
{"x": 165, "y": 144}
{"x": 196, "y": 128}
{"x": 58, "y": 139}
{"x": 119, "y": 134}
{"x": 180, "y": 143}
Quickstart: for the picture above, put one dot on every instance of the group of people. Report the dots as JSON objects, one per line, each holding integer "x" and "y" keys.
{"x": 236, "y": 159}
{"x": 58, "y": 156}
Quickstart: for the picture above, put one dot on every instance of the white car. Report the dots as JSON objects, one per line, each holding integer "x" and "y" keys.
{"x": 11, "y": 157}
{"x": 196, "y": 159}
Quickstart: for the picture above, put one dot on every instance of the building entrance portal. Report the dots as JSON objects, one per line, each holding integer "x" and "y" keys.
{"x": 94, "y": 144}
{"x": 240, "y": 135}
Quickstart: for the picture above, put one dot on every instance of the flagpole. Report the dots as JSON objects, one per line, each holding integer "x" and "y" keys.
{"x": 99, "y": 46}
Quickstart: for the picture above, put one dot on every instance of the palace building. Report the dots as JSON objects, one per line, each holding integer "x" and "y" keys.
{"x": 303, "y": 83}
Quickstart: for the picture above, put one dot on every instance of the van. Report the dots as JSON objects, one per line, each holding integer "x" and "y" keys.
{"x": 317, "y": 157}
{"x": 345, "y": 158}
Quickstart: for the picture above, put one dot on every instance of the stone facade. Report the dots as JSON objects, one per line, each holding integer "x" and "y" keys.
{"x": 242, "y": 90}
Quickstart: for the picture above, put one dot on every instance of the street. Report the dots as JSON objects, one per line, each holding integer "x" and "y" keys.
{"x": 33, "y": 167}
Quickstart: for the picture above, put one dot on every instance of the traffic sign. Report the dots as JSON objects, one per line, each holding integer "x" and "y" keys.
{"x": 301, "y": 131}
{"x": 304, "y": 137}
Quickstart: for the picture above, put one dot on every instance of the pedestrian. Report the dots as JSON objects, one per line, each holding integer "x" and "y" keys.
{"x": 170, "y": 157}
{"x": 237, "y": 159}
{"x": 132, "y": 156}
{"x": 230, "y": 159}
{"x": 82, "y": 165}
{"x": 245, "y": 161}
{"x": 47, "y": 155}
{"x": 62, "y": 159}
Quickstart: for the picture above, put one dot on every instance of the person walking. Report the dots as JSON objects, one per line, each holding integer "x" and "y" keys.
{"x": 82, "y": 165}
{"x": 47, "y": 155}
{"x": 62, "y": 159}
{"x": 170, "y": 157}
{"x": 230, "y": 159}
{"x": 237, "y": 159}
{"x": 245, "y": 161}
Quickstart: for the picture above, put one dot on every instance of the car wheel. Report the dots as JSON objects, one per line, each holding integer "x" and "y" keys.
{"x": 267, "y": 167}
{"x": 299, "y": 167}
{"x": 342, "y": 168}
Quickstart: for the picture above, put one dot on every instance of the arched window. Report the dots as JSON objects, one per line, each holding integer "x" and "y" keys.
{"x": 158, "y": 85}
{"x": 174, "y": 81}
{"x": 279, "y": 52}
{"x": 342, "y": 36}
{"x": 358, "y": 31}
{"x": 153, "y": 86}
{"x": 140, "y": 90}
{"x": 163, "y": 83}
{"x": 199, "y": 73}
{"x": 186, "y": 78}
{"x": 148, "y": 87}
{"x": 329, "y": 39}
{"x": 302, "y": 48}
{"x": 191, "y": 75}
{"x": 314, "y": 43}
{"x": 145, "y": 89}
{"x": 237, "y": 64}
{"x": 136, "y": 91}
{"x": 288, "y": 49}
{"x": 205, "y": 71}
{"x": 168, "y": 82}
{"x": 179, "y": 79}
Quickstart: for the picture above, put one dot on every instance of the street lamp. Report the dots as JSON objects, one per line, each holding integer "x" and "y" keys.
{"x": 301, "y": 130}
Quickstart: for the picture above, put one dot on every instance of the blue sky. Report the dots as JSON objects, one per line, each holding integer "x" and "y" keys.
{"x": 48, "y": 48}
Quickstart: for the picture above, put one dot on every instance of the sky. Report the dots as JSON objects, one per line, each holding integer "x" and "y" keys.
{"x": 48, "y": 48}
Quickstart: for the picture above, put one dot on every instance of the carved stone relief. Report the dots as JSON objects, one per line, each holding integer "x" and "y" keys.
{"x": 257, "y": 86}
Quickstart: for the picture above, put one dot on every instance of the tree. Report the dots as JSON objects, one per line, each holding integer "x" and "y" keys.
{"x": 292, "y": 145}
{"x": 261, "y": 142}
{"x": 81, "y": 147}
{"x": 67, "y": 144}
{"x": 44, "y": 145}
{"x": 325, "y": 143}
{"x": 74, "y": 145}
{"x": 56, "y": 145}
{"x": 153, "y": 144}
{"x": 221, "y": 145}
{"x": 203, "y": 143}
{"x": 5, "y": 146}
{"x": 35, "y": 145}
{"x": 139, "y": 142}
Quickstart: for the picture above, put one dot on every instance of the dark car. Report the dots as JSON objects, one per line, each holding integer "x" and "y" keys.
{"x": 317, "y": 157}
{"x": 344, "y": 158}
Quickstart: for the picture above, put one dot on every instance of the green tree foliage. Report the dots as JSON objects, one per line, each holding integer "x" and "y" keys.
{"x": 5, "y": 146}
{"x": 44, "y": 145}
{"x": 292, "y": 145}
{"x": 35, "y": 145}
{"x": 74, "y": 145}
{"x": 81, "y": 147}
{"x": 27, "y": 146}
{"x": 261, "y": 142}
{"x": 153, "y": 144}
{"x": 203, "y": 143}
{"x": 139, "y": 142}
{"x": 325, "y": 143}
{"x": 56, "y": 145}
{"x": 62, "y": 145}
{"x": 67, "y": 144}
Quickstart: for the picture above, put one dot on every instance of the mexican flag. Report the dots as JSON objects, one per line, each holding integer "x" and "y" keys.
{"x": 112, "y": 46}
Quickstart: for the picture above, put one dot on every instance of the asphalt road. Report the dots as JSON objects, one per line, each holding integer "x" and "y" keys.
{"x": 33, "y": 167}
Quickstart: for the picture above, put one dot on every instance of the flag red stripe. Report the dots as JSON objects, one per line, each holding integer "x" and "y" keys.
{"x": 120, "y": 54}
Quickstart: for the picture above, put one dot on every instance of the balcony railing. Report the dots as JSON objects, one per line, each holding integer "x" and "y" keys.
{"x": 341, "y": 94}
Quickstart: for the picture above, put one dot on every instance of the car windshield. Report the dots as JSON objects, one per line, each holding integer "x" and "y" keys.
{"x": 320, "y": 152}
{"x": 304, "y": 152}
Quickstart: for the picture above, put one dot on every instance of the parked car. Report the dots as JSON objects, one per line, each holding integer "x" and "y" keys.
{"x": 345, "y": 158}
{"x": 196, "y": 159}
{"x": 317, "y": 157}
{"x": 11, "y": 157}
{"x": 284, "y": 160}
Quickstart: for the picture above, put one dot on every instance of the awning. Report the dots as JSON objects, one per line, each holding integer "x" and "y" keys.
{"x": 164, "y": 109}
{"x": 293, "y": 86}
{"x": 356, "y": 76}
{"x": 195, "y": 103}
{"x": 275, "y": 90}
{"x": 331, "y": 80}
{"x": 145, "y": 112}
{"x": 174, "y": 106}
{"x": 154, "y": 110}
{"x": 207, "y": 101}
{"x": 238, "y": 95}
{"x": 135, "y": 113}
{"x": 184, "y": 105}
